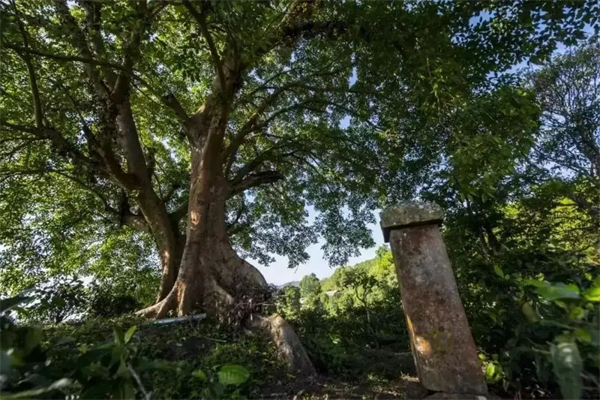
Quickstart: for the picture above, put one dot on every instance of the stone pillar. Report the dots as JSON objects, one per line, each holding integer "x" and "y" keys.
{"x": 441, "y": 340}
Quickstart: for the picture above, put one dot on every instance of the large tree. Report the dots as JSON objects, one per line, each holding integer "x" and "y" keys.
{"x": 210, "y": 126}
{"x": 567, "y": 155}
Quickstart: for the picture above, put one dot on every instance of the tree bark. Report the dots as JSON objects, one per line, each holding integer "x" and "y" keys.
{"x": 211, "y": 275}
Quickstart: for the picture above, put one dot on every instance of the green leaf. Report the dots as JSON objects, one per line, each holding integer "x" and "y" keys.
{"x": 200, "y": 375}
{"x": 232, "y": 374}
{"x": 119, "y": 338}
{"x": 592, "y": 294}
{"x": 123, "y": 371}
{"x": 125, "y": 390}
{"x": 117, "y": 354}
{"x": 129, "y": 333}
{"x": 567, "y": 368}
{"x": 499, "y": 271}
{"x": 583, "y": 335}
{"x": 558, "y": 292}
{"x": 577, "y": 313}
{"x": 536, "y": 283}
{"x": 490, "y": 370}
{"x": 530, "y": 312}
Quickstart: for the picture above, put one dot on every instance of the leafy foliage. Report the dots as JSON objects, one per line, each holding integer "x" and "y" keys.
{"x": 90, "y": 361}
{"x": 342, "y": 106}
{"x": 352, "y": 319}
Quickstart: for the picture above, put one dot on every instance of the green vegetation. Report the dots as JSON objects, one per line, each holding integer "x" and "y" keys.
{"x": 116, "y": 358}
{"x": 534, "y": 337}
{"x": 352, "y": 324}
{"x": 149, "y": 148}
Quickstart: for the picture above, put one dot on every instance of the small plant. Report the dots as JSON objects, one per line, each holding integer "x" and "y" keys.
{"x": 229, "y": 379}
{"x": 109, "y": 370}
{"x": 22, "y": 360}
{"x": 574, "y": 352}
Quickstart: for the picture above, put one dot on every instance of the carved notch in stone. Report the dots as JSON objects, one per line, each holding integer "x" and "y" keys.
{"x": 410, "y": 214}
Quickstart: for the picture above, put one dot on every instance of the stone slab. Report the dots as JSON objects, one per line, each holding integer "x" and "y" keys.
{"x": 410, "y": 214}
{"x": 441, "y": 340}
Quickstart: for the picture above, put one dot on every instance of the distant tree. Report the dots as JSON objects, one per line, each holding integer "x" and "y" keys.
{"x": 310, "y": 286}
{"x": 289, "y": 303}
{"x": 362, "y": 284}
{"x": 567, "y": 153}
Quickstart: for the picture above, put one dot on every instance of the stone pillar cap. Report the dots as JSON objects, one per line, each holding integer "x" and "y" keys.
{"x": 409, "y": 214}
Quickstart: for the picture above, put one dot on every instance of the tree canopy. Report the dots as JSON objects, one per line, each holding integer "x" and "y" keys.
{"x": 188, "y": 124}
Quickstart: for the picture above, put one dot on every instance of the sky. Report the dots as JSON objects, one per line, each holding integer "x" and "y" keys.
{"x": 278, "y": 273}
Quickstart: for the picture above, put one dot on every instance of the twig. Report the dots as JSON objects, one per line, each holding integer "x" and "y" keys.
{"x": 136, "y": 377}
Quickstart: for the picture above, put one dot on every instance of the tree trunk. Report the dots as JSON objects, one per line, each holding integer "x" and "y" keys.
{"x": 164, "y": 231}
{"x": 171, "y": 251}
{"x": 211, "y": 275}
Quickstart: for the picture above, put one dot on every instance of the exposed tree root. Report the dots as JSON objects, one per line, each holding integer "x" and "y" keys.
{"x": 225, "y": 286}
{"x": 231, "y": 278}
{"x": 288, "y": 345}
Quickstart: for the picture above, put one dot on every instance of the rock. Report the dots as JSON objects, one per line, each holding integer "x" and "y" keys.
{"x": 288, "y": 345}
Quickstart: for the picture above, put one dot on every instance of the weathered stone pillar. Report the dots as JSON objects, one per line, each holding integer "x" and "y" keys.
{"x": 441, "y": 340}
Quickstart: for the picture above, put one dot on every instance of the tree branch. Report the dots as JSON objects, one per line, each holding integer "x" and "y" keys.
{"x": 255, "y": 180}
{"x": 131, "y": 52}
{"x": 253, "y": 126}
{"x": 62, "y": 57}
{"x": 179, "y": 212}
{"x": 79, "y": 41}
{"x": 171, "y": 101}
{"x": 37, "y": 103}
{"x": 201, "y": 19}
{"x": 238, "y": 139}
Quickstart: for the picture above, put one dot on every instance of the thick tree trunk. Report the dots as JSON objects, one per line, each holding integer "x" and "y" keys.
{"x": 171, "y": 251}
{"x": 211, "y": 275}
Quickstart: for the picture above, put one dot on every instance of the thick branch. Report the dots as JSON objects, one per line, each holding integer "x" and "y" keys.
{"x": 131, "y": 53}
{"x": 201, "y": 19}
{"x": 179, "y": 212}
{"x": 171, "y": 101}
{"x": 255, "y": 180}
{"x": 37, "y": 103}
{"x": 93, "y": 13}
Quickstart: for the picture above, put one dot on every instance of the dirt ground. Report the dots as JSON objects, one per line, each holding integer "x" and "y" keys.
{"x": 320, "y": 387}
